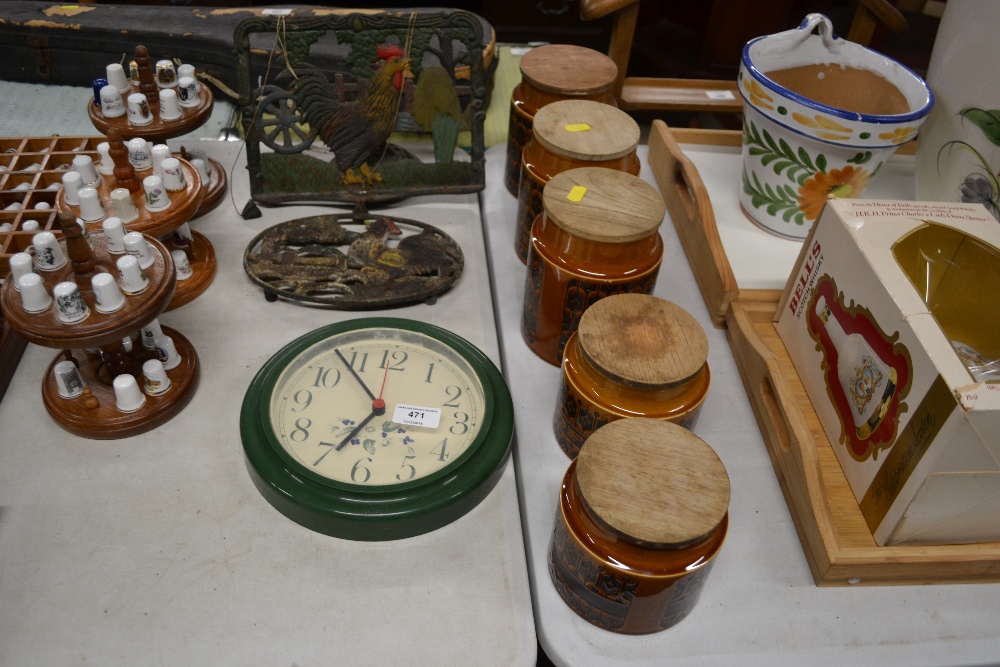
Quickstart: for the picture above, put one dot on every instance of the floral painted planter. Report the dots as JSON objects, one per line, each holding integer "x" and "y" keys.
{"x": 798, "y": 152}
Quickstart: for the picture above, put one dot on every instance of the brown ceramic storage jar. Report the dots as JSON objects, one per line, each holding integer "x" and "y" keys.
{"x": 549, "y": 74}
{"x": 597, "y": 237}
{"x": 567, "y": 135}
{"x": 633, "y": 355}
{"x": 643, "y": 511}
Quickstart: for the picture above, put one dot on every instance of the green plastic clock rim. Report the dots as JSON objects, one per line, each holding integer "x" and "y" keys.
{"x": 376, "y": 513}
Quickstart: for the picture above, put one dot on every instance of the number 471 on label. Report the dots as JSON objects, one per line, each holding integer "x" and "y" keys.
{"x": 415, "y": 415}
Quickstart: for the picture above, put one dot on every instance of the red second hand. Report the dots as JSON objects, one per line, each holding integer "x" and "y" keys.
{"x": 378, "y": 403}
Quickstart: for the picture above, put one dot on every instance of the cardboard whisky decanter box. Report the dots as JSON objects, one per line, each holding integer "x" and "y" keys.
{"x": 891, "y": 321}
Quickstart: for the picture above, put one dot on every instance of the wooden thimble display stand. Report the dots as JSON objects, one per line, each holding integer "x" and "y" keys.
{"x": 161, "y": 224}
{"x": 96, "y": 344}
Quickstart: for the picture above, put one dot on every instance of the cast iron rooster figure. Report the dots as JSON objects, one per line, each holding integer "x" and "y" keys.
{"x": 357, "y": 131}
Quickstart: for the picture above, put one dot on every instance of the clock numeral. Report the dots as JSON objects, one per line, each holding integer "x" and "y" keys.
{"x": 413, "y": 471}
{"x": 354, "y": 359}
{"x": 462, "y": 420}
{"x": 302, "y": 401}
{"x": 358, "y": 467}
{"x": 301, "y": 432}
{"x": 430, "y": 370}
{"x": 399, "y": 358}
{"x": 453, "y": 393}
{"x": 323, "y": 377}
{"x": 441, "y": 451}
{"x": 324, "y": 444}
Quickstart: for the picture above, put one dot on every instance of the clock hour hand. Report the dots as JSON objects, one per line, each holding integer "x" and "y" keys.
{"x": 356, "y": 376}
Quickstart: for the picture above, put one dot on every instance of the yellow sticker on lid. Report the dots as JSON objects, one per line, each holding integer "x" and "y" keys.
{"x": 576, "y": 127}
{"x": 576, "y": 194}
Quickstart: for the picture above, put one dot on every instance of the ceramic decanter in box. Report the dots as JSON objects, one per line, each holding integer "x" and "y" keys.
{"x": 890, "y": 321}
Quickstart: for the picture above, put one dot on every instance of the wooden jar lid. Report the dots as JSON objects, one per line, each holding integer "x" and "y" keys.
{"x": 568, "y": 70}
{"x": 653, "y": 482}
{"x": 613, "y": 133}
{"x": 642, "y": 341}
{"x": 613, "y": 207}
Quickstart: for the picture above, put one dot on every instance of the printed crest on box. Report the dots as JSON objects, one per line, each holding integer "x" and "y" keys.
{"x": 867, "y": 372}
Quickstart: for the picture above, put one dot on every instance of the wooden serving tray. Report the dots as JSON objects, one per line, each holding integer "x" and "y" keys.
{"x": 836, "y": 540}
{"x": 706, "y": 212}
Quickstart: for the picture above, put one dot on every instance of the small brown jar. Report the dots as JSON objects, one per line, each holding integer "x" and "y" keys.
{"x": 604, "y": 243}
{"x": 633, "y": 355}
{"x": 549, "y": 74}
{"x": 567, "y": 135}
{"x": 642, "y": 513}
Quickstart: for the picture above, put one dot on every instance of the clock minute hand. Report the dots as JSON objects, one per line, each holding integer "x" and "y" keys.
{"x": 356, "y": 376}
{"x": 357, "y": 429}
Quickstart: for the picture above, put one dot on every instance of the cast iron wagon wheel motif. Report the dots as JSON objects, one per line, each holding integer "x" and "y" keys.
{"x": 280, "y": 123}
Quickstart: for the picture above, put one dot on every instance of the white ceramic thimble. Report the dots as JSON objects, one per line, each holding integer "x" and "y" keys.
{"x": 6, "y": 227}
{"x": 72, "y": 182}
{"x": 127, "y": 344}
{"x": 187, "y": 70}
{"x": 182, "y": 265}
{"x": 114, "y": 235}
{"x": 84, "y": 165}
{"x": 181, "y": 237}
{"x": 41, "y": 206}
{"x": 34, "y": 297}
{"x": 21, "y": 187}
{"x": 48, "y": 255}
{"x": 16, "y": 206}
{"x": 86, "y": 232}
{"x": 135, "y": 245}
{"x": 128, "y": 397}
{"x": 123, "y": 206}
{"x": 69, "y": 382}
{"x": 107, "y": 165}
{"x": 33, "y": 167}
{"x": 20, "y": 265}
{"x": 70, "y": 306}
{"x": 115, "y": 74}
{"x": 160, "y": 152}
{"x": 173, "y": 175}
{"x": 202, "y": 168}
{"x": 112, "y": 104}
{"x": 166, "y": 75}
{"x": 167, "y": 352}
{"x": 150, "y": 333}
{"x": 155, "y": 377}
{"x": 91, "y": 208}
{"x": 133, "y": 72}
{"x": 133, "y": 280}
{"x": 187, "y": 92}
{"x": 138, "y": 110}
{"x": 156, "y": 194}
{"x": 170, "y": 108}
{"x": 30, "y": 226}
{"x": 139, "y": 153}
{"x": 108, "y": 296}
{"x": 53, "y": 186}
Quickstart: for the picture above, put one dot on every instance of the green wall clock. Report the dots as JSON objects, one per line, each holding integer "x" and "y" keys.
{"x": 376, "y": 428}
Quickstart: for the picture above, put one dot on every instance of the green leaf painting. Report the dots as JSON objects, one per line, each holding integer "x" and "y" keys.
{"x": 986, "y": 120}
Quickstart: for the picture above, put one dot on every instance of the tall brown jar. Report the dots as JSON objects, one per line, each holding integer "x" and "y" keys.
{"x": 597, "y": 237}
{"x": 549, "y": 74}
{"x": 569, "y": 135}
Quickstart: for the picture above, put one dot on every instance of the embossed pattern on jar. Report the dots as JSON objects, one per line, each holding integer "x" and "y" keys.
{"x": 643, "y": 511}
{"x": 633, "y": 355}
{"x": 582, "y": 251}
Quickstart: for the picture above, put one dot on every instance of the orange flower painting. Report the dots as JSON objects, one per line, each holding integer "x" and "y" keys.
{"x": 841, "y": 183}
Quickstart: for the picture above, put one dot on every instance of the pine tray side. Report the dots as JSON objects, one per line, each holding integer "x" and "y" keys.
{"x": 836, "y": 540}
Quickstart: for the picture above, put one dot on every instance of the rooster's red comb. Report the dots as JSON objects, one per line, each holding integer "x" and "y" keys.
{"x": 389, "y": 51}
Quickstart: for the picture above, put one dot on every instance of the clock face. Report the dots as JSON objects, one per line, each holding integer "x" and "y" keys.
{"x": 376, "y": 428}
{"x": 377, "y": 406}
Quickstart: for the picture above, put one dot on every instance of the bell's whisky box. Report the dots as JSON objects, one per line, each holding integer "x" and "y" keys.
{"x": 892, "y": 320}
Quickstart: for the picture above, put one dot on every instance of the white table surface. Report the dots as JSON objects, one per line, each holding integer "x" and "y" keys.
{"x": 760, "y": 605}
{"x": 158, "y": 549}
